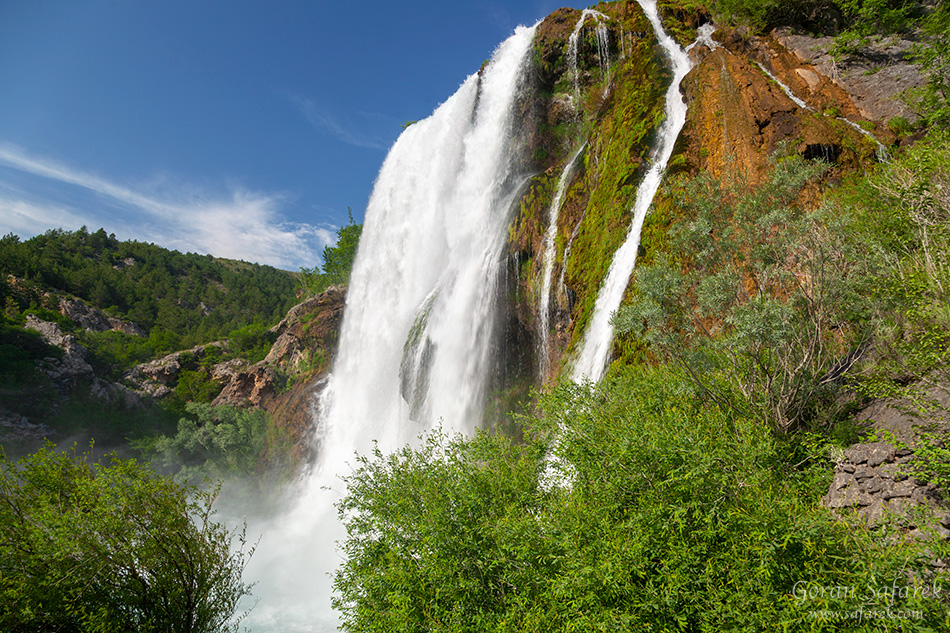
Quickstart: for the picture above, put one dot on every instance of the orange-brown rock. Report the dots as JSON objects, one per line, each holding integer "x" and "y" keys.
{"x": 305, "y": 346}
{"x": 738, "y": 116}
{"x": 251, "y": 386}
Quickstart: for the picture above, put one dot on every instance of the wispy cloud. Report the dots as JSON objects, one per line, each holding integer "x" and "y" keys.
{"x": 239, "y": 224}
{"x": 357, "y": 130}
{"x": 26, "y": 218}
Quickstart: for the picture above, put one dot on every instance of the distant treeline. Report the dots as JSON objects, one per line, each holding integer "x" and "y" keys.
{"x": 185, "y": 298}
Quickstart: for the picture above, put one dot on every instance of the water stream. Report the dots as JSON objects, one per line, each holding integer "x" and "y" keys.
{"x": 549, "y": 254}
{"x": 882, "y": 154}
{"x": 594, "y": 354}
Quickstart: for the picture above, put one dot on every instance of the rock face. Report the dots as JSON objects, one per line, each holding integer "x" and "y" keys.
{"x": 72, "y": 367}
{"x": 875, "y": 481}
{"x": 157, "y": 378}
{"x": 70, "y": 370}
{"x": 310, "y": 328}
{"x": 874, "y": 77}
{"x": 739, "y": 116}
{"x": 95, "y": 320}
{"x": 306, "y": 341}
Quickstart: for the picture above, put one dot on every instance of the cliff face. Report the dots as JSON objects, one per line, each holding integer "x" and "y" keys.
{"x": 739, "y": 115}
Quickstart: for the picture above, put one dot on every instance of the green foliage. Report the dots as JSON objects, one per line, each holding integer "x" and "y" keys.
{"x": 252, "y": 342}
{"x": 931, "y": 460}
{"x": 903, "y": 213}
{"x": 933, "y": 55}
{"x": 443, "y": 537}
{"x": 213, "y": 443}
{"x": 19, "y": 351}
{"x": 337, "y": 260}
{"x": 181, "y": 300}
{"x": 755, "y": 297}
{"x": 630, "y": 506}
{"x": 112, "y": 424}
{"x": 853, "y": 20}
{"x": 110, "y": 546}
{"x": 196, "y": 386}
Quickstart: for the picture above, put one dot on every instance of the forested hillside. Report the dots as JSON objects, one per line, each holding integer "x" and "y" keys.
{"x": 184, "y": 299}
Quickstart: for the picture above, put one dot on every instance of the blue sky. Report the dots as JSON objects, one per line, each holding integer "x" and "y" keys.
{"x": 240, "y": 129}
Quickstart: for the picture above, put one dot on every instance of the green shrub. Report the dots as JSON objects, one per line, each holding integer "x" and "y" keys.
{"x": 110, "y": 546}
{"x": 214, "y": 443}
{"x": 758, "y": 298}
{"x": 631, "y": 505}
{"x": 337, "y": 260}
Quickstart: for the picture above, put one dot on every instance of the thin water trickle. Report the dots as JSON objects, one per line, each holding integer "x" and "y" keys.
{"x": 882, "y": 154}
{"x": 549, "y": 250}
{"x": 603, "y": 48}
{"x": 594, "y": 354}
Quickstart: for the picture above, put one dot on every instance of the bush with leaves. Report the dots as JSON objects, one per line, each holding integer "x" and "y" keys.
{"x": 755, "y": 296}
{"x": 337, "y": 260}
{"x": 632, "y": 505}
{"x": 933, "y": 54}
{"x": 111, "y": 546}
{"x": 220, "y": 443}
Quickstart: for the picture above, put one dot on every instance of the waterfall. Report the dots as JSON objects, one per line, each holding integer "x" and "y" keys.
{"x": 549, "y": 248}
{"x": 882, "y": 154}
{"x": 603, "y": 50}
{"x": 592, "y": 360}
{"x": 417, "y": 332}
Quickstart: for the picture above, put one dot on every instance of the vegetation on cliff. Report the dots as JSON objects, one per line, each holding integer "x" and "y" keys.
{"x": 337, "y": 260}
{"x": 683, "y": 493}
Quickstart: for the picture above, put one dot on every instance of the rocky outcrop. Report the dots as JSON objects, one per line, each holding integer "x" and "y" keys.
{"x": 95, "y": 320}
{"x": 247, "y": 386}
{"x": 310, "y": 329}
{"x": 739, "y": 116}
{"x": 306, "y": 342}
{"x": 16, "y": 427}
{"x": 874, "y": 77}
{"x": 71, "y": 369}
{"x": 876, "y": 482}
{"x": 158, "y": 378}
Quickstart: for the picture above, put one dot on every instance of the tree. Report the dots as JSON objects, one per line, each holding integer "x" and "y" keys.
{"x": 933, "y": 55}
{"x": 337, "y": 260}
{"x": 112, "y": 546}
{"x": 756, "y": 297}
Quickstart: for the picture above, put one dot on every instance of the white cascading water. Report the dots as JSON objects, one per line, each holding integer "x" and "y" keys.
{"x": 591, "y": 362}
{"x": 549, "y": 250}
{"x": 549, "y": 246}
{"x": 417, "y": 331}
{"x": 882, "y": 154}
{"x": 603, "y": 49}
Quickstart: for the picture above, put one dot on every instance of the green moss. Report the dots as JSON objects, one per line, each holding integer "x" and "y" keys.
{"x": 615, "y": 166}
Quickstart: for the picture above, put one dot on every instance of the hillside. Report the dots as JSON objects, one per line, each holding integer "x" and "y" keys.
{"x": 82, "y": 309}
{"x": 744, "y": 429}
